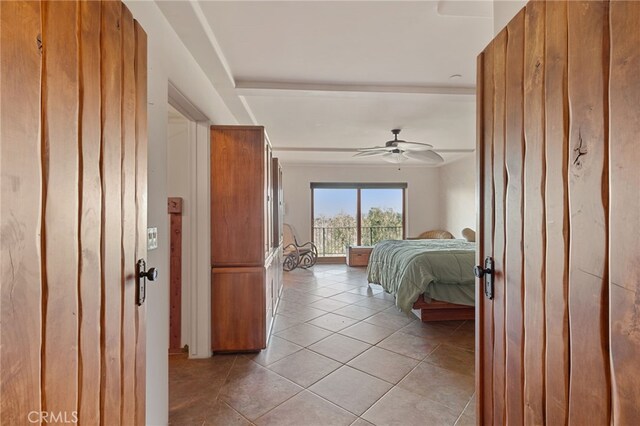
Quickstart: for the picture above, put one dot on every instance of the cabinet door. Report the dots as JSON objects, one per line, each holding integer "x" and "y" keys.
{"x": 237, "y": 196}
{"x": 238, "y": 309}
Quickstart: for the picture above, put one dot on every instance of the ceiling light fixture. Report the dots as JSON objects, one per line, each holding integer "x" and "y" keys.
{"x": 396, "y": 156}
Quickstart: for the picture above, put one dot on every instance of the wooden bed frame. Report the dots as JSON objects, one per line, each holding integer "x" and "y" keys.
{"x": 443, "y": 311}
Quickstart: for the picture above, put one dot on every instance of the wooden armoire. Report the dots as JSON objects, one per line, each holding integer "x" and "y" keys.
{"x": 246, "y": 242}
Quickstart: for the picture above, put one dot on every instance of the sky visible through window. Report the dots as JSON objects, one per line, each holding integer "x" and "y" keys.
{"x": 329, "y": 202}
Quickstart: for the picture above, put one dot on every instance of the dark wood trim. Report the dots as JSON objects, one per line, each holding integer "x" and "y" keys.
{"x": 358, "y": 216}
{"x": 404, "y": 213}
{"x": 358, "y": 185}
{"x": 437, "y": 310}
{"x": 233, "y": 127}
{"x": 174, "y": 207}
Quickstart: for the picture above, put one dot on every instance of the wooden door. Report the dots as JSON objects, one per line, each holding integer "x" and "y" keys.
{"x": 238, "y": 196}
{"x": 559, "y": 196}
{"x": 73, "y": 149}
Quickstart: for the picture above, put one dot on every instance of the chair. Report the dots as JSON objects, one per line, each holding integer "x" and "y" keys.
{"x": 295, "y": 254}
{"x": 469, "y": 235}
{"x": 436, "y": 235}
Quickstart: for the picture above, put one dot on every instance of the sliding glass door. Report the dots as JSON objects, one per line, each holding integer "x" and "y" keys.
{"x": 381, "y": 215}
{"x": 350, "y": 214}
{"x": 335, "y": 212}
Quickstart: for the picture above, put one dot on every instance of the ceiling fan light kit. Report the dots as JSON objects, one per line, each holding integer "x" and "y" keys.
{"x": 398, "y": 151}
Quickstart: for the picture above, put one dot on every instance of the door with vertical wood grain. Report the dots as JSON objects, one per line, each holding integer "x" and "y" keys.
{"x": 73, "y": 149}
{"x": 559, "y": 196}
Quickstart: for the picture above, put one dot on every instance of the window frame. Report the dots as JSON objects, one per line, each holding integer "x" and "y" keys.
{"x": 359, "y": 186}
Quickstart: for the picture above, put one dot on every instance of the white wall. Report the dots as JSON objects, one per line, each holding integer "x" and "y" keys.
{"x": 179, "y": 185}
{"x": 504, "y": 11}
{"x": 168, "y": 60}
{"x": 422, "y": 212}
{"x": 457, "y": 195}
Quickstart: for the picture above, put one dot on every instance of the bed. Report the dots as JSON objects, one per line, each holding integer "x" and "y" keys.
{"x": 434, "y": 276}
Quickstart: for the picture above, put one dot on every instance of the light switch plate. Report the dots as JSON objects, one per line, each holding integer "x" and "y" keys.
{"x": 152, "y": 238}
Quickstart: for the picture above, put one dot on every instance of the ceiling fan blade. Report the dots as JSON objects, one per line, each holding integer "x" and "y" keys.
{"x": 370, "y": 153}
{"x": 413, "y": 146}
{"x": 394, "y": 157}
{"x": 426, "y": 156}
{"x": 376, "y": 148}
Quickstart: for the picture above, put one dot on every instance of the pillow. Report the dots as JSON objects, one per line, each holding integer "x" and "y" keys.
{"x": 469, "y": 235}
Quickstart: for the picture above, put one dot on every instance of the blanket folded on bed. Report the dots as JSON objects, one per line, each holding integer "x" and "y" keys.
{"x": 441, "y": 269}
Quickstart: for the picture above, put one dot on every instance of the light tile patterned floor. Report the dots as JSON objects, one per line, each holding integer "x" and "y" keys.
{"x": 340, "y": 354}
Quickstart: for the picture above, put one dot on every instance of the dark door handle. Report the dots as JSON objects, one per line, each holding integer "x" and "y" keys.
{"x": 486, "y": 272}
{"x": 151, "y": 274}
{"x": 142, "y": 276}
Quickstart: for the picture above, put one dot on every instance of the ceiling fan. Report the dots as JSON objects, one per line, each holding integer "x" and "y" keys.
{"x": 398, "y": 150}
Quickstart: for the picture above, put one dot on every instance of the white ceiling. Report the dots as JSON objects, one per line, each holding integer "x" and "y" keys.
{"x": 341, "y": 74}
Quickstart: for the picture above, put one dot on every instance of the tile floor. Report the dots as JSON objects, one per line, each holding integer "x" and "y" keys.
{"x": 340, "y": 354}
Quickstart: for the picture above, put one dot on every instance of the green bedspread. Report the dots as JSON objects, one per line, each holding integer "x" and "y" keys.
{"x": 441, "y": 269}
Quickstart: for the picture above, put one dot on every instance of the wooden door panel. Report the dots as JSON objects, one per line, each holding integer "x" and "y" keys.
{"x": 499, "y": 181}
{"x": 239, "y": 297}
{"x": 128, "y": 286}
{"x": 21, "y": 209}
{"x": 485, "y": 237}
{"x": 238, "y": 188}
{"x": 73, "y": 153}
{"x": 90, "y": 214}
{"x": 557, "y": 216}
{"x": 60, "y": 193}
{"x": 140, "y": 69}
{"x": 571, "y": 266}
{"x": 534, "y": 214}
{"x": 111, "y": 73}
{"x": 588, "y": 205}
{"x": 624, "y": 290}
{"x": 514, "y": 256}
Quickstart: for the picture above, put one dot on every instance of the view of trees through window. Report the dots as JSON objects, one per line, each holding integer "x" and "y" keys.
{"x": 336, "y": 212}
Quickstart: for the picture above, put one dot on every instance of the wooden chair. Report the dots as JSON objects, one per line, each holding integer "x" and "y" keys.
{"x": 296, "y": 254}
{"x": 437, "y": 234}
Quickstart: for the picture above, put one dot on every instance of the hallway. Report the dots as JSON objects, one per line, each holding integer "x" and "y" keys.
{"x": 340, "y": 354}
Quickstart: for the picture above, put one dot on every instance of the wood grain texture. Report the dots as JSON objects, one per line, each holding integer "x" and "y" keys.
{"x": 71, "y": 164}
{"x": 20, "y": 209}
{"x": 238, "y": 316}
{"x": 534, "y": 215}
{"x": 111, "y": 74}
{"x": 140, "y": 68}
{"x": 514, "y": 250}
{"x": 557, "y": 218}
{"x": 175, "y": 282}
{"x": 572, "y": 203}
{"x": 589, "y": 399}
{"x": 237, "y": 196}
{"x": 485, "y": 235}
{"x": 60, "y": 112}
{"x": 499, "y": 183}
{"x": 90, "y": 215}
{"x": 129, "y": 281}
{"x": 479, "y": 329}
{"x": 624, "y": 219}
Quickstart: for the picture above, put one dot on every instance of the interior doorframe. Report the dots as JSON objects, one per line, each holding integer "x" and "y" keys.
{"x": 197, "y": 293}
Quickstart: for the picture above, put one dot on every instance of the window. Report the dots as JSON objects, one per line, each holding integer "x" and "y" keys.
{"x": 356, "y": 214}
